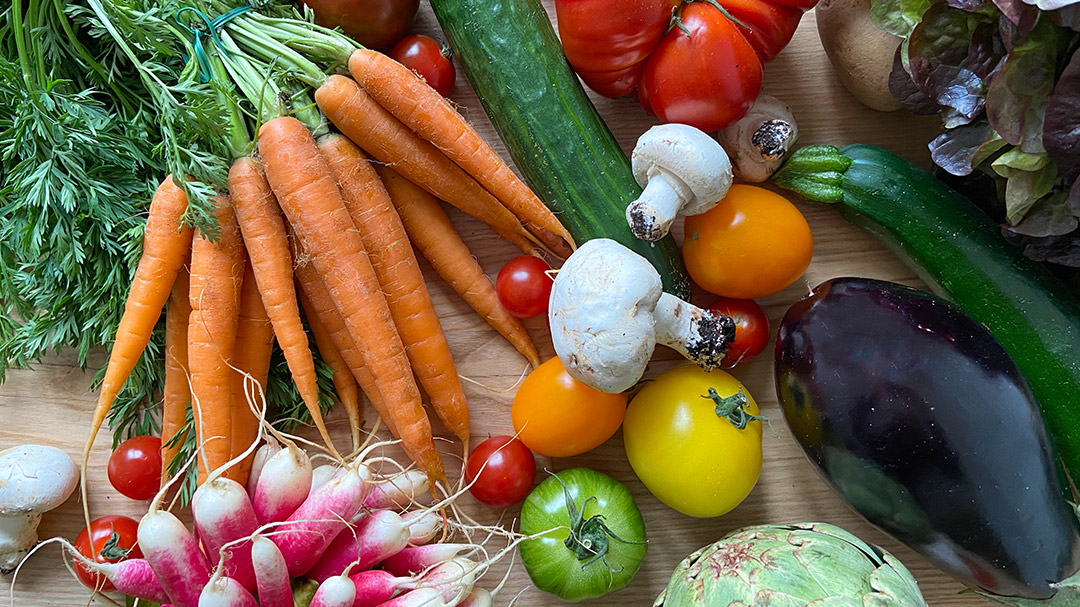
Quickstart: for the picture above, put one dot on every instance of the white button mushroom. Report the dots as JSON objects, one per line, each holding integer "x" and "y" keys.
{"x": 608, "y": 312}
{"x": 33, "y": 480}
{"x": 683, "y": 170}
{"x": 759, "y": 142}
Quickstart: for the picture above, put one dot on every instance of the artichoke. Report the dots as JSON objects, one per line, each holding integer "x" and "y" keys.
{"x": 791, "y": 566}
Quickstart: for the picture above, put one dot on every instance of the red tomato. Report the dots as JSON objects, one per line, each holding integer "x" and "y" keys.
{"x": 751, "y": 328}
{"x": 103, "y": 529}
{"x": 771, "y": 26}
{"x": 708, "y": 78}
{"x": 428, "y": 59}
{"x": 607, "y": 44}
{"x": 508, "y": 471}
{"x": 374, "y": 23}
{"x": 135, "y": 467}
{"x": 523, "y": 286}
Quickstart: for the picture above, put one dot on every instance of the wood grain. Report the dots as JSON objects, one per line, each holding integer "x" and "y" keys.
{"x": 52, "y": 404}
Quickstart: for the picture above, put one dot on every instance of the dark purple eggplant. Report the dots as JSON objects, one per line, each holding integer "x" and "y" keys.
{"x": 917, "y": 416}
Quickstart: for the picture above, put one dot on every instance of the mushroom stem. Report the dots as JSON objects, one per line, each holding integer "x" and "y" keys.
{"x": 651, "y": 215}
{"x": 18, "y": 534}
{"x": 699, "y": 335}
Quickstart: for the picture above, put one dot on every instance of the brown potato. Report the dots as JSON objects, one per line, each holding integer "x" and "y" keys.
{"x": 860, "y": 52}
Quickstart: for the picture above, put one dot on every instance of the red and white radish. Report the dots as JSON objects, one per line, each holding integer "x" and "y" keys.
{"x": 378, "y": 535}
{"x": 223, "y": 515}
{"x": 454, "y": 578}
{"x": 271, "y": 574}
{"x": 133, "y": 577}
{"x": 305, "y": 535}
{"x": 323, "y": 473}
{"x": 262, "y": 454}
{"x": 174, "y": 556}
{"x": 397, "y": 491}
{"x": 284, "y": 483}
{"x": 423, "y": 525}
{"x": 376, "y": 586}
{"x": 225, "y": 592}
{"x": 421, "y": 597}
{"x": 337, "y": 591}
{"x": 477, "y": 598}
{"x": 415, "y": 559}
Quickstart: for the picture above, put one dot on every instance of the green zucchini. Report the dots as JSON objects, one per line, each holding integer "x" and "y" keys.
{"x": 566, "y": 153}
{"x": 959, "y": 252}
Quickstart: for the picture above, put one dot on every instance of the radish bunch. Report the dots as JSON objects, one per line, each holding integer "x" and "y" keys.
{"x": 335, "y": 525}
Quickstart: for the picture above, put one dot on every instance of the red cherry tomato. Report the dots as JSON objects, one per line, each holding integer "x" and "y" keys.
{"x": 427, "y": 58}
{"x": 707, "y": 78}
{"x": 508, "y": 471}
{"x": 751, "y": 328}
{"x": 523, "y": 286}
{"x": 135, "y": 467}
{"x": 103, "y": 530}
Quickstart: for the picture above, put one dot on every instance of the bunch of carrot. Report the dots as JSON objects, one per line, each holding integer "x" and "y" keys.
{"x": 312, "y": 224}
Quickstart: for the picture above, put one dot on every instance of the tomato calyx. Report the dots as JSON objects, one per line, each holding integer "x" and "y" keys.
{"x": 589, "y": 538}
{"x": 676, "y": 16}
{"x": 733, "y": 409}
{"x": 112, "y": 550}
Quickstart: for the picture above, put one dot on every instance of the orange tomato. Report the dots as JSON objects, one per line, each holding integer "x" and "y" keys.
{"x": 558, "y": 416}
{"x": 753, "y": 243}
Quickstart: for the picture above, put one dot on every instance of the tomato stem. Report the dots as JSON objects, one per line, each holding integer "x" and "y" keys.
{"x": 112, "y": 550}
{"x": 676, "y": 20}
{"x": 589, "y": 538}
{"x": 733, "y": 409}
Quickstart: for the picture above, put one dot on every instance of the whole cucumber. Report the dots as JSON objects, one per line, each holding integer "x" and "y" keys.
{"x": 960, "y": 254}
{"x": 514, "y": 61}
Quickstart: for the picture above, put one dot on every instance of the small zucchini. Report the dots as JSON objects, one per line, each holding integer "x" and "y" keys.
{"x": 960, "y": 254}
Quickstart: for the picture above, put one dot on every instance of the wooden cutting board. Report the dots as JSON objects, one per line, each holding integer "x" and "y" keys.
{"x": 52, "y": 404}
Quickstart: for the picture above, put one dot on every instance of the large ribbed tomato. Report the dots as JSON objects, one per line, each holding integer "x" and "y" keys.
{"x": 692, "y": 61}
{"x": 705, "y": 73}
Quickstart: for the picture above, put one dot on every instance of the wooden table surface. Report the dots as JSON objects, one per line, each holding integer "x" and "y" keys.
{"x": 52, "y": 404}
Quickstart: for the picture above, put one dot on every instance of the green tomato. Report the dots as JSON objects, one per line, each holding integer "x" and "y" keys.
{"x": 694, "y": 440}
{"x": 606, "y": 547}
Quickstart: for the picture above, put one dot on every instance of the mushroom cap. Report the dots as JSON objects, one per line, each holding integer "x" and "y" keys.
{"x": 601, "y": 315}
{"x": 688, "y": 155}
{"x": 35, "y": 478}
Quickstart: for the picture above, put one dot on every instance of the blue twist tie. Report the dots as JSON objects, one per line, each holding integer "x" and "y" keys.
{"x": 212, "y": 26}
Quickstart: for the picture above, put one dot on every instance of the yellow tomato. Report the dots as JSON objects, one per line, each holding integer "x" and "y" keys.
{"x": 558, "y": 416}
{"x": 690, "y": 458}
{"x": 753, "y": 243}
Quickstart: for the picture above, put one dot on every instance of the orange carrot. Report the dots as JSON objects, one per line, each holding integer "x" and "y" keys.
{"x": 318, "y": 304}
{"x": 411, "y": 100}
{"x": 344, "y": 382}
{"x": 267, "y": 244}
{"x": 176, "y": 395}
{"x": 434, "y": 236}
{"x": 308, "y": 194}
{"x": 166, "y": 245}
{"x": 254, "y": 343}
{"x": 375, "y": 130}
{"x": 319, "y": 308}
{"x": 217, "y": 270}
{"x": 400, "y": 277}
